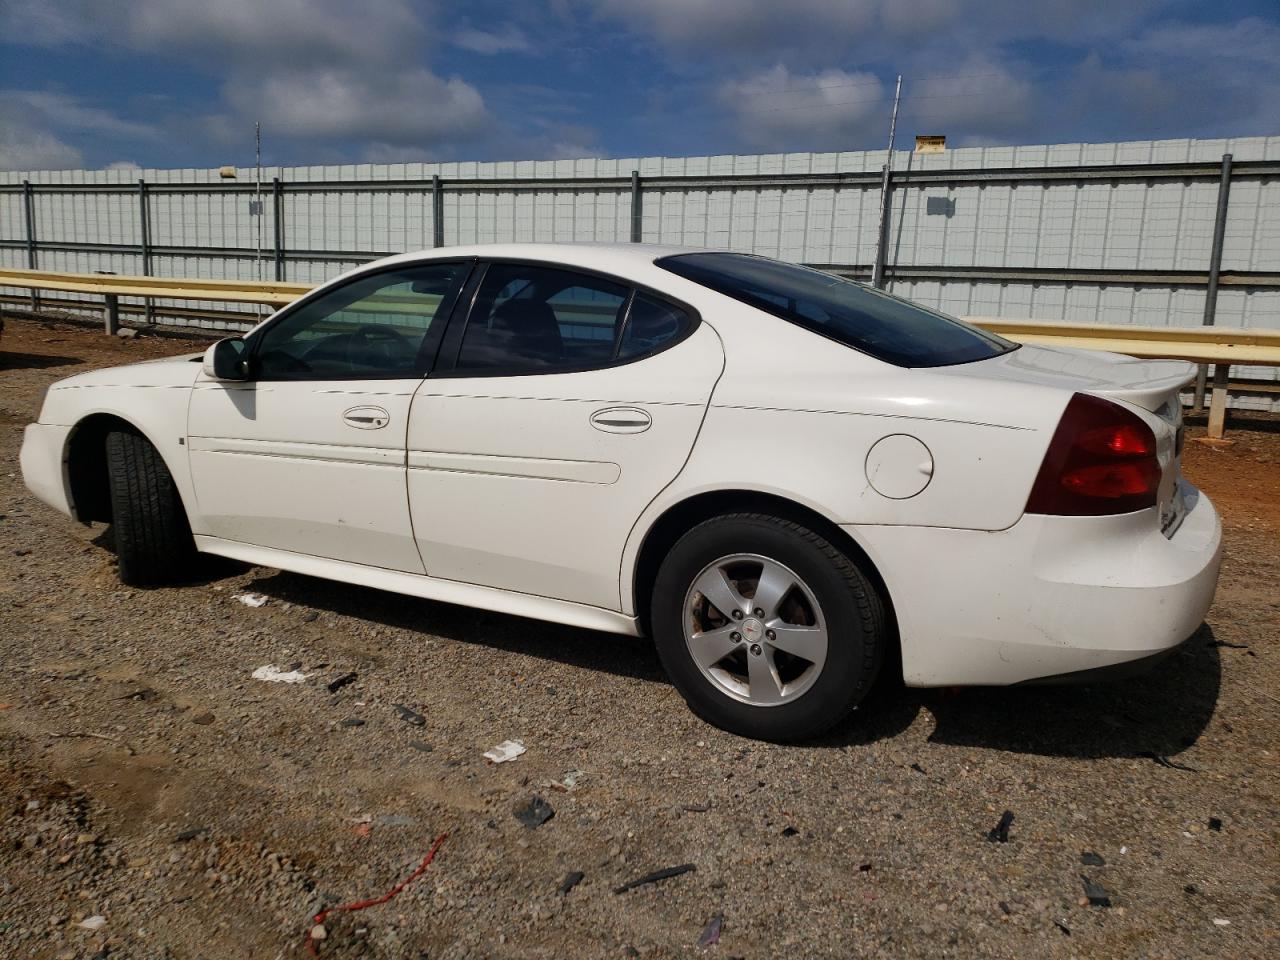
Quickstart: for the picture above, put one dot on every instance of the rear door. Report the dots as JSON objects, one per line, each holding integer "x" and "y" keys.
{"x": 563, "y": 403}
{"x": 309, "y": 455}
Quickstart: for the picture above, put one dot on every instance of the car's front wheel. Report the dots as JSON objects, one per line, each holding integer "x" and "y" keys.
{"x": 765, "y": 627}
{"x": 152, "y": 537}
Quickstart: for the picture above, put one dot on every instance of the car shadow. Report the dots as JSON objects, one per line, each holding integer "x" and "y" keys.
{"x": 1157, "y": 715}
{"x": 34, "y": 361}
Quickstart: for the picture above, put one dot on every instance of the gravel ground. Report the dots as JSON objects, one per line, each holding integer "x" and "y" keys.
{"x": 148, "y": 780}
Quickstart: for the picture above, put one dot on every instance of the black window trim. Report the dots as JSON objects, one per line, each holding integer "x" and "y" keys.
{"x": 427, "y": 353}
{"x": 797, "y": 321}
{"x": 446, "y": 366}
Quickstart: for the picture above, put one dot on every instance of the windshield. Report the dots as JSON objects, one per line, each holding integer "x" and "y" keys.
{"x": 848, "y": 312}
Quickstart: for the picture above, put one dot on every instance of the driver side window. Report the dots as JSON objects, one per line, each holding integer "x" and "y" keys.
{"x": 381, "y": 325}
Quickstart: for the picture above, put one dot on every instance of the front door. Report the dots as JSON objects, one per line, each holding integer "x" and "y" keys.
{"x": 309, "y": 455}
{"x": 566, "y": 405}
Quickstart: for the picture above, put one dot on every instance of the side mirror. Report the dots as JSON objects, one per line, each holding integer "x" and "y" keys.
{"x": 227, "y": 360}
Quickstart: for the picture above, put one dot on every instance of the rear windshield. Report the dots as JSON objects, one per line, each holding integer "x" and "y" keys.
{"x": 848, "y": 312}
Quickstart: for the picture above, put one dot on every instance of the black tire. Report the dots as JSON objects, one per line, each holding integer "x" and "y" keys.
{"x": 152, "y": 537}
{"x": 851, "y": 607}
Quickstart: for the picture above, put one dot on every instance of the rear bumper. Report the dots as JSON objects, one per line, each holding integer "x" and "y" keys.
{"x": 1048, "y": 597}
{"x": 42, "y": 462}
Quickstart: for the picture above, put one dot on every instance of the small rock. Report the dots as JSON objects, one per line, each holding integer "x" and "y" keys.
{"x": 352, "y": 722}
{"x": 571, "y": 880}
{"x": 421, "y": 745}
{"x": 96, "y": 922}
{"x": 1215, "y": 824}
{"x": 1095, "y": 893}
{"x": 126, "y": 333}
{"x": 534, "y": 813}
{"x": 203, "y": 719}
{"x": 1091, "y": 859}
{"x": 318, "y": 932}
{"x": 410, "y": 716}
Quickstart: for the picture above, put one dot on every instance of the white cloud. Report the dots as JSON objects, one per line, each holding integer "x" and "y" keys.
{"x": 22, "y": 148}
{"x": 38, "y": 129}
{"x": 506, "y": 39}
{"x": 778, "y": 109}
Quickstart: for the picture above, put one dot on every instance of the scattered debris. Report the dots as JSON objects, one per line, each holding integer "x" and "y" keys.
{"x": 421, "y": 745}
{"x": 250, "y": 599}
{"x": 696, "y": 807}
{"x": 1005, "y": 908}
{"x": 1091, "y": 859}
{"x": 568, "y": 783}
{"x": 98, "y": 921}
{"x": 351, "y": 722}
{"x": 1166, "y": 762}
{"x": 319, "y": 918}
{"x": 1000, "y": 833}
{"x": 1191, "y": 889}
{"x": 505, "y": 751}
{"x": 711, "y": 933}
{"x": 190, "y": 834}
{"x": 273, "y": 674}
{"x": 864, "y": 868}
{"x": 1215, "y": 824}
{"x": 570, "y": 881}
{"x": 917, "y": 768}
{"x": 1097, "y": 894}
{"x": 126, "y": 333}
{"x": 363, "y": 829}
{"x": 146, "y": 695}
{"x": 341, "y": 682}
{"x": 1063, "y": 927}
{"x": 1220, "y": 922}
{"x": 80, "y": 734}
{"x": 789, "y": 831}
{"x": 410, "y": 716}
{"x": 534, "y": 813}
{"x": 664, "y": 874}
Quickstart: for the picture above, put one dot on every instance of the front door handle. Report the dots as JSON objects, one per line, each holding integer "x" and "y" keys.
{"x": 622, "y": 420}
{"x": 366, "y": 418}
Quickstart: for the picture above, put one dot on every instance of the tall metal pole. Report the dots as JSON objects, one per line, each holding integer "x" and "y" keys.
{"x": 29, "y": 213}
{"x": 1215, "y": 268}
{"x": 144, "y": 226}
{"x": 882, "y": 238}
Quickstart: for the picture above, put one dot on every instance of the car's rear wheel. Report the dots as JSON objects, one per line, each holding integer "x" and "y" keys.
{"x": 765, "y": 627}
{"x": 152, "y": 537}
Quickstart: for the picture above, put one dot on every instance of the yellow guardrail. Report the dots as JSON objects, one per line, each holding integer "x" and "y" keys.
{"x": 1218, "y": 346}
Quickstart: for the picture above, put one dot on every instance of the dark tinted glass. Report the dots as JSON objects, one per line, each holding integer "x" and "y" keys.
{"x": 532, "y": 319}
{"x": 374, "y": 326}
{"x": 851, "y": 313}
{"x": 651, "y": 325}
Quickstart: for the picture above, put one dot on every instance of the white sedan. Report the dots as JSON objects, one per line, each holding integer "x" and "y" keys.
{"x": 785, "y": 478}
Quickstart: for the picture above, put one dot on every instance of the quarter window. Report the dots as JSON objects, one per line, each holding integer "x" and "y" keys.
{"x": 379, "y": 325}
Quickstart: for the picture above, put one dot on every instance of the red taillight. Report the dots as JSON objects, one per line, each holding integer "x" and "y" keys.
{"x": 1102, "y": 460}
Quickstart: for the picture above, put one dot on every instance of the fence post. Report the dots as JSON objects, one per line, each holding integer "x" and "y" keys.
{"x": 144, "y": 214}
{"x": 111, "y": 314}
{"x": 637, "y": 221}
{"x": 437, "y": 213}
{"x": 1211, "y": 291}
{"x": 277, "y": 217}
{"x": 29, "y": 212}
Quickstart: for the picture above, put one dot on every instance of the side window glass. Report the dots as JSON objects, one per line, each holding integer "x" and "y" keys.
{"x": 374, "y": 326}
{"x": 529, "y": 319}
{"x": 651, "y": 325}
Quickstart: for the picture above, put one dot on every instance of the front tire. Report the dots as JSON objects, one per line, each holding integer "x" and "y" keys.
{"x": 766, "y": 628}
{"x": 153, "y": 540}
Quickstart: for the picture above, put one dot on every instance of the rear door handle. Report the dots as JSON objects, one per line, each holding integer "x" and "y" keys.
{"x": 621, "y": 420}
{"x": 366, "y": 418}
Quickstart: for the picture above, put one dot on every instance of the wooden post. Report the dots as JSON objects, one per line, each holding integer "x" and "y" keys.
{"x": 111, "y": 314}
{"x": 1218, "y": 401}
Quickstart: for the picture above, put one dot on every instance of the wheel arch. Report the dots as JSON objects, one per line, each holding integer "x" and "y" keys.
{"x": 88, "y": 489}
{"x": 682, "y": 516}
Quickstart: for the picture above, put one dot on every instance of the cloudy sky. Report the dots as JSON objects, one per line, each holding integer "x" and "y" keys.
{"x": 168, "y": 83}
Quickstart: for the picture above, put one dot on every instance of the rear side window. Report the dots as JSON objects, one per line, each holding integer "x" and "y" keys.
{"x": 886, "y": 327}
{"x": 535, "y": 319}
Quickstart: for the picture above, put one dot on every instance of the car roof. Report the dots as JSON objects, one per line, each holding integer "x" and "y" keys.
{"x": 621, "y": 258}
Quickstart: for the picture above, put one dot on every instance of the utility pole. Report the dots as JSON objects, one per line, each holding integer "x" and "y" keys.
{"x": 882, "y": 234}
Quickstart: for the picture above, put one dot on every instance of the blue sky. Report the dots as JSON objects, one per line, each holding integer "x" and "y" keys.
{"x": 173, "y": 83}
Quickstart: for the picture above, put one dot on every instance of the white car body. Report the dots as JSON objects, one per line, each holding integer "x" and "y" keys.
{"x": 501, "y": 493}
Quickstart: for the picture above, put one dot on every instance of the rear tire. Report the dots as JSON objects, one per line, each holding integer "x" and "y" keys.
{"x": 153, "y": 539}
{"x": 802, "y": 643}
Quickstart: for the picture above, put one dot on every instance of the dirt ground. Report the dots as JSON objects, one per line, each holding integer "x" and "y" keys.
{"x": 146, "y": 779}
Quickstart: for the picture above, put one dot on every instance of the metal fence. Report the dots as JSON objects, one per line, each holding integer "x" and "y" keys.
{"x": 1098, "y": 233}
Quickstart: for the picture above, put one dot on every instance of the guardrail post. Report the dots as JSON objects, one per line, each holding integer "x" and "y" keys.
{"x": 29, "y": 212}
{"x": 277, "y": 217}
{"x": 144, "y": 214}
{"x": 1218, "y": 401}
{"x": 111, "y": 314}
{"x": 637, "y": 221}
{"x": 437, "y": 213}
{"x": 1211, "y": 291}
